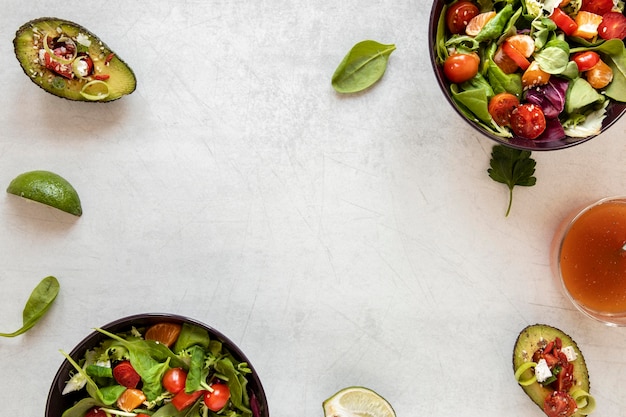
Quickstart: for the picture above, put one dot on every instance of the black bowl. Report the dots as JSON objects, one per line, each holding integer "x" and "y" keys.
{"x": 58, "y": 403}
{"x": 615, "y": 110}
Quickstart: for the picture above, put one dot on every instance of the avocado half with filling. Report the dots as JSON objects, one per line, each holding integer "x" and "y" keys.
{"x": 67, "y": 60}
{"x": 536, "y": 337}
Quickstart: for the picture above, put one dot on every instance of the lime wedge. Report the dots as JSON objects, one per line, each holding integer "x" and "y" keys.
{"x": 357, "y": 402}
{"x": 48, "y": 188}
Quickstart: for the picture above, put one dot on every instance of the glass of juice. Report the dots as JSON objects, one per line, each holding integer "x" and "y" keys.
{"x": 589, "y": 260}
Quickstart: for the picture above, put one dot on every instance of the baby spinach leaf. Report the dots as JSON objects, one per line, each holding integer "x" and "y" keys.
{"x": 225, "y": 367}
{"x": 38, "y": 303}
{"x": 494, "y": 27}
{"x": 511, "y": 167}
{"x": 152, "y": 378}
{"x": 196, "y": 365}
{"x": 191, "y": 335}
{"x": 363, "y": 66}
{"x": 106, "y": 395}
{"x": 81, "y": 407}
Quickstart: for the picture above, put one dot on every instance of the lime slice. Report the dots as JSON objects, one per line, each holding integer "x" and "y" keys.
{"x": 357, "y": 402}
{"x": 48, "y": 188}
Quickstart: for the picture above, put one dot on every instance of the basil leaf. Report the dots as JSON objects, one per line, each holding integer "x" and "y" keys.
{"x": 38, "y": 303}
{"x": 363, "y": 66}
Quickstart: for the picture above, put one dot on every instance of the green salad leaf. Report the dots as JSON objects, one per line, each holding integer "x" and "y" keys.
{"x": 362, "y": 67}
{"x": 512, "y": 167}
{"x": 39, "y": 302}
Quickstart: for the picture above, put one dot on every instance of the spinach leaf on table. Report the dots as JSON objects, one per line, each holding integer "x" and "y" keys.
{"x": 363, "y": 66}
{"x": 38, "y": 304}
{"x": 512, "y": 167}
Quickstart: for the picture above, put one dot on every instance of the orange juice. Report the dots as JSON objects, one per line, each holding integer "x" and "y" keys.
{"x": 592, "y": 259}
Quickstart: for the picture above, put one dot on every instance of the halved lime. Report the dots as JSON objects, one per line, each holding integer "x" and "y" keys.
{"x": 357, "y": 401}
{"x": 48, "y": 188}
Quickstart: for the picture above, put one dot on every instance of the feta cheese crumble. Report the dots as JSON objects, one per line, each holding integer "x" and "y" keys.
{"x": 542, "y": 371}
{"x": 570, "y": 353}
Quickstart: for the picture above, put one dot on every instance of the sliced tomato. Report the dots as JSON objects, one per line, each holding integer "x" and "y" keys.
{"x": 459, "y": 14}
{"x": 534, "y": 76}
{"x": 600, "y": 75}
{"x": 586, "y": 60}
{"x": 613, "y": 26}
{"x": 515, "y": 55}
{"x": 500, "y": 107}
{"x": 598, "y": 7}
{"x": 459, "y": 68}
{"x": 125, "y": 374}
{"x": 64, "y": 70}
{"x": 218, "y": 398}
{"x": 564, "y": 21}
{"x": 528, "y": 121}
{"x": 502, "y": 60}
{"x": 183, "y": 400}
{"x": 565, "y": 378}
{"x": 587, "y": 23}
{"x": 174, "y": 380}
{"x": 131, "y": 399}
{"x": 559, "y": 404}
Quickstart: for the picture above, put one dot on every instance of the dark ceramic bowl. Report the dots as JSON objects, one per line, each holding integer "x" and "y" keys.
{"x": 615, "y": 110}
{"x": 58, "y": 403}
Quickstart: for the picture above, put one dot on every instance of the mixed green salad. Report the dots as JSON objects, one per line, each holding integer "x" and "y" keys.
{"x": 541, "y": 70}
{"x": 165, "y": 370}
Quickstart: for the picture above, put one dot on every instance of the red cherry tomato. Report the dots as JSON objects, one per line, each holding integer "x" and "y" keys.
{"x": 500, "y": 108}
{"x": 174, "y": 380}
{"x": 459, "y": 68}
{"x": 613, "y": 26}
{"x": 217, "y": 399}
{"x": 459, "y": 14}
{"x": 565, "y": 378}
{"x": 183, "y": 400}
{"x": 125, "y": 375}
{"x": 528, "y": 121}
{"x": 95, "y": 412}
{"x": 564, "y": 22}
{"x": 598, "y": 7}
{"x": 559, "y": 404}
{"x": 586, "y": 60}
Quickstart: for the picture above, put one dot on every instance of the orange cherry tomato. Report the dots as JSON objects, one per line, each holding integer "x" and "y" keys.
{"x": 459, "y": 68}
{"x": 500, "y": 107}
{"x": 534, "y": 76}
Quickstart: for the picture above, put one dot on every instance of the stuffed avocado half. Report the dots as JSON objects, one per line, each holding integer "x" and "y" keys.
{"x": 551, "y": 369}
{"x": 67, "y": 60}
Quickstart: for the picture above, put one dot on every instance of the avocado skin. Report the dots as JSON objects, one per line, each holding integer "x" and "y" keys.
{"x": 122, "y": 79}
{"x": 530, "y": 340}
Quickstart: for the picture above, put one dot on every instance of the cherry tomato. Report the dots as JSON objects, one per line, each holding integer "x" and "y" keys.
{"x": 565, "y": 378}
{"x": 64, "y": 70}
{"x": 563, "y": 21}
{"x": 183, "y": 400}
{"x": 459, "y": 14}
{"x": 598, "y": 7}
{"x": 95, "y": 412}
{"x": 534, "y": 76}
{"x": 174, "y": 380}
{"x": 459, "y": 68}
{"x": 515, "y": 55}
{"x": 125, "y": 375}
{"x": 600, "y": 75}
{"x": 217, "y": 399}
{"x": 500, "y": 108}
{"x": 586, "y": 60}
{"x": 528, "y": 121}
{"x": 502, "y": 60}
{"x": 613, "y": 26}
{"x": 559, "y": 404}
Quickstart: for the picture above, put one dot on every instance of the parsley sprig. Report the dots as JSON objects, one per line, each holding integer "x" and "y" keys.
{"x": 512, "y": 167}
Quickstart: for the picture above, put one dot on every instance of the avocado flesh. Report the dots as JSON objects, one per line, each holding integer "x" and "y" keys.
{"x": 29, "y": 41}
{"x": 535, "y": 337}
